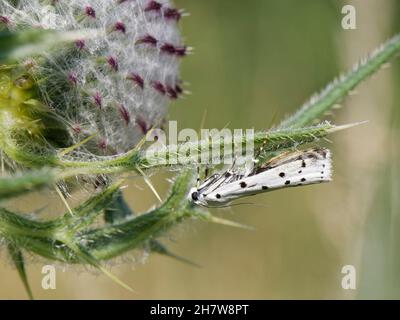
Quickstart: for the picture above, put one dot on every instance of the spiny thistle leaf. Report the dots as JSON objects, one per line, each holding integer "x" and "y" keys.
{"x": 18, "y": 184}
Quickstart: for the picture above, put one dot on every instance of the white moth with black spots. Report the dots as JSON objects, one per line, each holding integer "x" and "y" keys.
{"x": 290, "y": 169}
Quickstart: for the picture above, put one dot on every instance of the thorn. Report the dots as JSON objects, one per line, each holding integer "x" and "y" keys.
{"x": 346, "y": 126}
{"x": 114, "y": 278}
{"x": 181, "y": 259}
{"x": 75, "y": 146}
{"x": 87, "y": 257}
{"x": 64, "y": 200}
{"x": 148, "y": 182}
{"x": 229, "y": 223}
{"x": 18, "y": 260}
{"x": 159, "y": 248}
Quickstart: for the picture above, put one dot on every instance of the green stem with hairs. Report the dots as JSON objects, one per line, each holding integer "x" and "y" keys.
{"x": 321, "y": 103}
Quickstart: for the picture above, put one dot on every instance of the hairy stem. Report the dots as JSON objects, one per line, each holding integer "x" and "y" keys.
{"x": 319, "y": 104}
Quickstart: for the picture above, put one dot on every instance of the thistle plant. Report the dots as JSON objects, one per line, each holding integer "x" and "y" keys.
{"x": 81, "y": 86}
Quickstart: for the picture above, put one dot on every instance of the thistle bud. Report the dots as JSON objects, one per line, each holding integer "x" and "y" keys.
{"x": 103, "y": 85}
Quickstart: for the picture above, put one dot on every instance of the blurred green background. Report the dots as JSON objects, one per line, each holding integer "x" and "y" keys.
{"x": 255, "y": 62}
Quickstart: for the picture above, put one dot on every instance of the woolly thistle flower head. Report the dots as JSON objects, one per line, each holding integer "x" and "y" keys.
{"x": 114, "y": 85}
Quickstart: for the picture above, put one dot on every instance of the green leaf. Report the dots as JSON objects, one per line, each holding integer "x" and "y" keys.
{"x": 19, "y": 263}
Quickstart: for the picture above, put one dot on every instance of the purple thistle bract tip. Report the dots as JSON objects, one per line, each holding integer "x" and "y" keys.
{"x": 120, "y": 26}
{"x": 172, "y": 14}
{"x": 153, "y": 6}
{"x": 147, "y": 39}
{"x": 4, "y": 20}
{"x": 125, "y": 114}
{"x": 98, "y": 100}
{"x": 80, "y": 44}
{"x": 138, "y": 80}
{"x": 90, "y": 12}
{"x": 113, "y": 63}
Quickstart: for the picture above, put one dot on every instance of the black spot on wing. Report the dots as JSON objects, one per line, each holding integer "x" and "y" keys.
{"x": 303, "y": 179}
{"x": 282, "y": 174}
{"x": 264, "y": 188}
{"x": 287, "y": 182}
{"x": 243, "y": 184}
{"x": 218, "y": 196}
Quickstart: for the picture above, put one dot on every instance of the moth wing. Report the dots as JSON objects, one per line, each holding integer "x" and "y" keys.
{"x": 295, "y": 169}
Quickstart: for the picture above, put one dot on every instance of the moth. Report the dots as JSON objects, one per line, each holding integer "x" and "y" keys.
{"x": 290, "y": 169}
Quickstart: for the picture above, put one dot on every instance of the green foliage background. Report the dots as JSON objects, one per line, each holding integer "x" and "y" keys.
{"x": 255, "y": 62}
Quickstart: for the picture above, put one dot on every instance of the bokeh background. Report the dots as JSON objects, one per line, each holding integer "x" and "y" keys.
{"x": 255, "y": 62}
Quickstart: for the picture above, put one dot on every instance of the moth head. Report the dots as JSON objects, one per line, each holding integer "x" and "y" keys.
{"x": 194, "y": 196}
